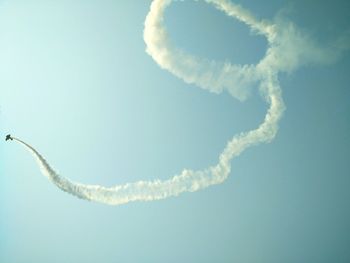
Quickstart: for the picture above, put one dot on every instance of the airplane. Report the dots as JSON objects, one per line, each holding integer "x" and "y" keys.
{"x": 8, "y": 137}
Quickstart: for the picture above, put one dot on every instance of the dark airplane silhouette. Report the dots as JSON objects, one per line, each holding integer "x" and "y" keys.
{"x": 8, "y": 137}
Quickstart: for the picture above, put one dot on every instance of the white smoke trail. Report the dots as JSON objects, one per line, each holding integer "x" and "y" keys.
{"x": 287, "y": 49}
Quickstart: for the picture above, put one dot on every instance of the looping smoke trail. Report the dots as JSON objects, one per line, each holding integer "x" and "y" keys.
{"x": 287, "y": 49}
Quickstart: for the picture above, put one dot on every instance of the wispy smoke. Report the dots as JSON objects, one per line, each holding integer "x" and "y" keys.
{"x": 287, "y": 49}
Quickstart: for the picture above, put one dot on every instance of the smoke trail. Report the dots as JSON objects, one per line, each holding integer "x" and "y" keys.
{"x": 287, "y": 49}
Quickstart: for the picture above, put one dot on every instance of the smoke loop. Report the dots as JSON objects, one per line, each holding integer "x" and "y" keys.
{"x": 286, "y": 49}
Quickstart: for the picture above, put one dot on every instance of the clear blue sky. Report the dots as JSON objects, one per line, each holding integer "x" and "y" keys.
{"x": 76, "y": 83}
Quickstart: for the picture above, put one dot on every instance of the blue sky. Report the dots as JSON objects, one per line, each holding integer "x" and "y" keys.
{"x": 76, "y": 83}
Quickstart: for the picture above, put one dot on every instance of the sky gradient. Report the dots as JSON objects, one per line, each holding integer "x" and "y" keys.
{"x": 76, "y": 82}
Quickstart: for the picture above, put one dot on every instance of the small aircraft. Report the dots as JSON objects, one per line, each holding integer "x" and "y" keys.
{"x": 8, "y": 137}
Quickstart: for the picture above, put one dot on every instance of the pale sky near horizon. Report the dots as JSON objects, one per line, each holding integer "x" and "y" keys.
{"x": 77, "y": 84}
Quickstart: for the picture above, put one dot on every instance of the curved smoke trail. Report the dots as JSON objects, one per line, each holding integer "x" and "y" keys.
{"x": 287, "y": 49}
